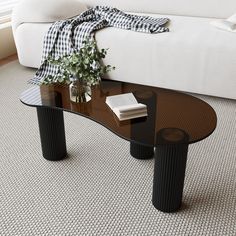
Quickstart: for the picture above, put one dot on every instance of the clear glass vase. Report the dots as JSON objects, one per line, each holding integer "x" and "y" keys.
{"x": 80, "y": 91}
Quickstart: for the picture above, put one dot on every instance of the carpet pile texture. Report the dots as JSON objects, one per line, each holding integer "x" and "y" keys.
{"x": 100, "y": 189}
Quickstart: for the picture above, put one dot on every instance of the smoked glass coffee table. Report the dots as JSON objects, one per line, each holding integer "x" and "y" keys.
{"x": 174, "y": 121}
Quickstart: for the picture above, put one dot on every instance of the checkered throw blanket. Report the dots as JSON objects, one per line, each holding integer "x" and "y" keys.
{"x": 67, "y": 36}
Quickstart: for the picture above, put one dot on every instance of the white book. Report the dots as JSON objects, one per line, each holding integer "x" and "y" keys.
{"x": 125, "y": 106}
{"x": 121, "y": 100}
{"x": 122, "y": 117}
{"x": 127, "y": 109}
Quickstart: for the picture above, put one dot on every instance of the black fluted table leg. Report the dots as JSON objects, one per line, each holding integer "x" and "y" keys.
{"x": 52, "y": 133}
{"x": 139, "y": 151}
{"x": 169, "y": 169}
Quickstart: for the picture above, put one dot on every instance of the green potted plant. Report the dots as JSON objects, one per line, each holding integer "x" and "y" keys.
{"x": 81, "y": 70}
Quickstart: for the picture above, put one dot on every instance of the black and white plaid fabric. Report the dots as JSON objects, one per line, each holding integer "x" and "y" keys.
{"x": 66, "y": 36}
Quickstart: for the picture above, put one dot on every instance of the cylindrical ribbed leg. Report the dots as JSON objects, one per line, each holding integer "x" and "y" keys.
{"x": 169, "y": 169}
{"x": 52, "y": 133}
{"x": 140, "y": 151}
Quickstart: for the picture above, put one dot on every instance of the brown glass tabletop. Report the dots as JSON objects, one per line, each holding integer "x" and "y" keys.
{"x": 166, "y": 109}
{"x": 174, "y": 121}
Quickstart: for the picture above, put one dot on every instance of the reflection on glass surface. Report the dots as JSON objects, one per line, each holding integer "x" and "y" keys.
{"x": 166, "y": 109}
{"x": 143, "y": 129}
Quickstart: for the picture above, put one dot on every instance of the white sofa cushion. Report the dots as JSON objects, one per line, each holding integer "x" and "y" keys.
{"x": 203, "y": 8}
{"x": 45, "y": 11}
{"x": 29, "y": 39}
{"x": 194, "y": 56}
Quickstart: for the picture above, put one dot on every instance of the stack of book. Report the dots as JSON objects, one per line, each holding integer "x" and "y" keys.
{"x": 126, "y": 107}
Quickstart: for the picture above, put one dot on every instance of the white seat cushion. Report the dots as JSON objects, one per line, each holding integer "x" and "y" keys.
{"x": 194, "y": 56}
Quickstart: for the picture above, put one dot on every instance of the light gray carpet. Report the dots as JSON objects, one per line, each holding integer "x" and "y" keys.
{"x": 100, "y": 189}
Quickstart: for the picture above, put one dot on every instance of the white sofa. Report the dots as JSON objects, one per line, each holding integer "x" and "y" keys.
{"x": 194, "y": 56}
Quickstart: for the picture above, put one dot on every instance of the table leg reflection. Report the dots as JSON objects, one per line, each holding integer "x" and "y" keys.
{"x": 143, "y": 129}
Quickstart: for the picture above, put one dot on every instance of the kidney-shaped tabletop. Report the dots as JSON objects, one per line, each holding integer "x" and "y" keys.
{"x": 168, "y": 110}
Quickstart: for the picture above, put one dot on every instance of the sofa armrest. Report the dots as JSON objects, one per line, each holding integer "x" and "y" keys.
{"x": 42, "y": 11}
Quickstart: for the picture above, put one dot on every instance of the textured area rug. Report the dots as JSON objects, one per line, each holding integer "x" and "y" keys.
{"x": 100, "y": 189}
